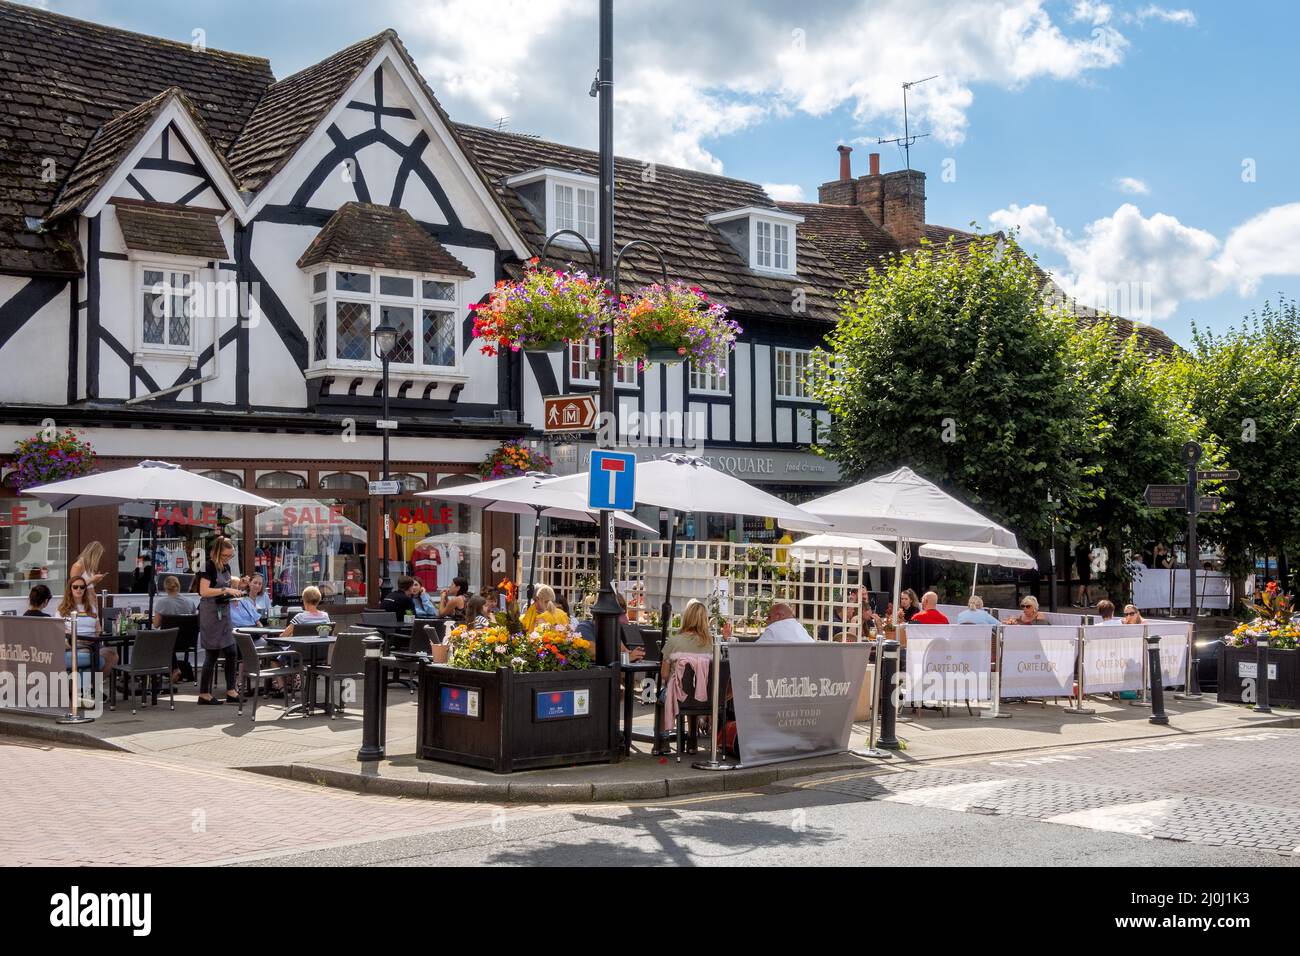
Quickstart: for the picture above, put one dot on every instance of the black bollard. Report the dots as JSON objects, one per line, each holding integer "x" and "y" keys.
{"x": 372, "y": 744}
{"x": 1158, "y": 715}
{"x": 1261, "y": 678}
{"x": 888, "y": 686}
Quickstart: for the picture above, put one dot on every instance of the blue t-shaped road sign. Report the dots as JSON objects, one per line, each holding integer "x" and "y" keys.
{"x": 611, "y": 484}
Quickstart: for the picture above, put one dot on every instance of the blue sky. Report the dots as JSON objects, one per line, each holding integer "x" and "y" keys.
{"x": 1114, "y": 134}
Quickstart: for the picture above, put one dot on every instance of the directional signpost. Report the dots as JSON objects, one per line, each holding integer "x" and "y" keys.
{"x": 569, "y": 413}
{"x": 1188, "y": 497}
{"x": 389, "y": 487}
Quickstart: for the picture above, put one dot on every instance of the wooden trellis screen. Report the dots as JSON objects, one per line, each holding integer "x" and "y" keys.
{"x": 738, "y": 582}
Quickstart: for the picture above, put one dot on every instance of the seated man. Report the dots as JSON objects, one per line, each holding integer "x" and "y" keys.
{"x": 401, "y": 600}
{"x": 782, "y": 628}
{"x": 1106, "y": 613}
{"x": 929, "y": 613}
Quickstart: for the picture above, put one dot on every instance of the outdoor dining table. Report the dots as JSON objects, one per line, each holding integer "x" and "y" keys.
{"x": 312, "y": 648}
{"x": 631, "y": 672}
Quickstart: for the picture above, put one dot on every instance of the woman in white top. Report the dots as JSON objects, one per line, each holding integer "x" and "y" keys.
{"x": 257, "y": 594}
{"x": 76, "y": 598}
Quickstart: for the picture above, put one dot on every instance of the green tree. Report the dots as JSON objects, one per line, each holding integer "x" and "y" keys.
{"x": 952, "y": 363}
{"x": 1137, "y": 424}
{"x": 1245, "y": 384}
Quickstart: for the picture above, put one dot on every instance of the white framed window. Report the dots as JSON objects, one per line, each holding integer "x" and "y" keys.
{"x": 792, "y": 368}
{"x": 584, "y": 366}
{"x": 348, "y": 304}
{"x": 772, "y": 245}
{"x": 167, "y": 308}
{"x": 575, "y": 208}
{"x": 564, "y": 198}
{"x": 709, "y": 381}
{"x": 767, "y": 240}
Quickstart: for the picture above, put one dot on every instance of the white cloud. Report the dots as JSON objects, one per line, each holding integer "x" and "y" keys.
{"x": 689, "y": 73}
{"x": 1146, "y": 267}
{"x": 1181, "y": 17}
{"x": 1133, "y": 186}
{"x": 784, "y": 192}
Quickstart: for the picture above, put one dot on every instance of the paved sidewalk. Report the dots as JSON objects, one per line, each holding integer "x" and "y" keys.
{"x": 323, "y": 751}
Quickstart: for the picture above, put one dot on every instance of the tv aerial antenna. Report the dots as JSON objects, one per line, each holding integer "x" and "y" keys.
{"x": 908, "y": 138}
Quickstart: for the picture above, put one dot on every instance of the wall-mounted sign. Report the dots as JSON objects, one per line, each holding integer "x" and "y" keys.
{"x": 569, "y": 413}
{"x": 560, "y": 704}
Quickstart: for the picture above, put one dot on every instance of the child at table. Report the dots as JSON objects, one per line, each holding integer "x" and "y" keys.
{"x": 311, "y": 616}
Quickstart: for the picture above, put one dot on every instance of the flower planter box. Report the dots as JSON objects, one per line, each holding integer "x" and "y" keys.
{"x": 1237, "y": 665}
{"x": 503, "y": 721}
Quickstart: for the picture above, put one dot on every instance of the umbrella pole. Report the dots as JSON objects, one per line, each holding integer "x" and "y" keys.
{"x": 877, "y": 689}
{"x": 153, "y": 564}
{"x": 532, "y": 563}
{"x": 666, "y": 609}
{"x": 974, "y": 577}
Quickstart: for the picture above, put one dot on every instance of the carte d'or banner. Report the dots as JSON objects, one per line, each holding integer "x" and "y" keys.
{"x": 795, "y": 700}
{"x": 1173, "y": 651}
{"x": 948, "y": 663}
{"x": 33, "y": 665}
{"x": 1112, "y": 658}
{"x": 1038, "y": 660}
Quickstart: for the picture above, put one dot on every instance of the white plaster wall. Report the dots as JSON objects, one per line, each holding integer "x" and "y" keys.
{"x": 274, "y": 378}
{"x": 34, "y": 362}
{"x": 740, "y": 390}
{"x": 763, "y": 394}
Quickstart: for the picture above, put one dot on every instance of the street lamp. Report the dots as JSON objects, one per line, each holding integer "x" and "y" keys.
{"x": 385, "y": 336}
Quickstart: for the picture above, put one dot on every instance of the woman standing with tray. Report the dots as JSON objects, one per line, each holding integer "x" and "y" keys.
{"x": 216, "y": 631}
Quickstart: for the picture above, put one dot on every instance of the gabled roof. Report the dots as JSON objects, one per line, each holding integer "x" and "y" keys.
{"x": 668, "y": 209}
{"x": 61, "y": 79}
{"x": 168, "y": 228}
{"x": 846, "y": 236}
{"x": 111, "y": 144}
{"x": 292, "y": 108}
{"x": 380, "y": 237}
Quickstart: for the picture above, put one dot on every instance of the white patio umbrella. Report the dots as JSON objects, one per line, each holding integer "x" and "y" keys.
{"x": 978, "y": 554}
{"x": 536, "y": 494}
{"x": 819, "y": 548}
{"x": 149, "y": 481}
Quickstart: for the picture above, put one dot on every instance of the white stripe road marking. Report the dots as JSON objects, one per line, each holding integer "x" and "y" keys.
{"x": 955, "y": 796}
{"x": 1137, "y": 819}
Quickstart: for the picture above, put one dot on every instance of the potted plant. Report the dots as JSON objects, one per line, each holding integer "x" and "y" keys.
{"x": 674, "y": 323}
{"x": 50, "y": 456}
{"x": 541, "y": 312}
{"x": 513, "y": 458}
{"x": 1274, "y": 620}
{"x": 513, "y": 701}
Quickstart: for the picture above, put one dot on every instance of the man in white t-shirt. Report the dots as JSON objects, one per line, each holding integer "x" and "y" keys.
{"x": 782, "y": 628}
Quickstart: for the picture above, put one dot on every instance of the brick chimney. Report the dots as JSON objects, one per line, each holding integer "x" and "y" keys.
{"x": 846, "y": 165}
{"x": 894, "y": 201}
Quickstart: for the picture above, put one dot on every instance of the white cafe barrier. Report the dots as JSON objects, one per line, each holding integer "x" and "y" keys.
{"x": 1173, "y": 651}
{"x": 948, "y": 663}
{"x": 1038, "y": 660}
{"x": 1112, "y": 658}
{"x": 1151, "y": 588}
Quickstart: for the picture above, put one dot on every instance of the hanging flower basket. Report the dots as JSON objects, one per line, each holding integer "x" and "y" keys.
{"x": 542, "y": 312}
{"x": 511, "y": 459}
{"x": 39, "y": 461}
{"x": 674, "y": 323}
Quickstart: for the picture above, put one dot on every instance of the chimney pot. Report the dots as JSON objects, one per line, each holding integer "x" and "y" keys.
{"x": 875, "y": 164}
{"x": 846, "y": 165}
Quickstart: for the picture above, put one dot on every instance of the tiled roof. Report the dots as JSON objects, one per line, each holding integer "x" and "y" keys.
{"x": 178, "y": 230}
{"x": 668, "y": 210}
{"x": 291, "y": 108}
{"x": 61, "y": 79}
{"x": 381, "y": 237}
{"x": 846, "y": 236}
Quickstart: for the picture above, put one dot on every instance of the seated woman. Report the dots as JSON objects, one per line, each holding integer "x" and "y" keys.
{"x": 257, "y": 594}
{"x": 693, "y": 637}
{"x": 75, "y": 599}
{"x": 1133, "y": 616}
{"x": 421, "y": 601}
{"x": 1029, "y": 613}
{"x": 37, "y": 599}
{"x": 453, "y": 600}
{"x": 975, "y": 613}
{"x": 475, "y": 612}
{"x": 544, "y": 610}
{"x": 171, "y": 602}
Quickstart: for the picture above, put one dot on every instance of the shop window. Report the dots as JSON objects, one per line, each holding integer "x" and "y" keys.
{"x": 321, "y": 542}
{"x": 225, "y": 477}
{"x": 33, "y": 547}
{"x": 281, "y": 479}
{"x": 435, "y": 541}
{"x": 343, "y": 481}
{"x": 410, "y": 483}
{"x": 186, "y": 530}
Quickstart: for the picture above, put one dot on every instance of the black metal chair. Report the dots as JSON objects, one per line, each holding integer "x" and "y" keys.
{"x": 152, "y": 659}
{"x": 693, "y": 709}
{"x": 262, "y": 663}
{"x": 187, "y": 637}
{"x": 372, "y": 618}
{"x": 347, "y": 662}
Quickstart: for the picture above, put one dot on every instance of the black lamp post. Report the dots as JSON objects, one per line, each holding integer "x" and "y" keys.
{"x": 385, "y": 337}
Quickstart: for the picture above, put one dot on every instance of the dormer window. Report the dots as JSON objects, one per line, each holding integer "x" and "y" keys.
{"x": 560, "y": 199}
{"x": 766, "y": 238}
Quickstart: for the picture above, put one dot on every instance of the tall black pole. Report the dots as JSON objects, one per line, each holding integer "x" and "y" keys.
{"x": 383, "y": 519}
{"x": 1192, "y": 456}
{"x": 1051, "y": 597}
{"x": 606, "y": 610}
